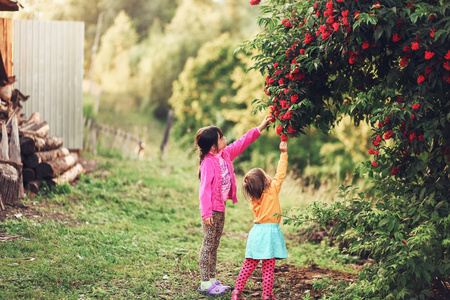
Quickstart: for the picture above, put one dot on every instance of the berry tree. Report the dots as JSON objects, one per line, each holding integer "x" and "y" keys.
{"x": 386, "y": 63}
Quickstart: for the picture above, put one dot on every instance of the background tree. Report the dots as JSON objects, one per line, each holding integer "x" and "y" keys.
{"x": 112, "y": 69}
{"x": 205, "y": 90}
{"x": 195, "y": 22}
{"x": 143, "y": 13}
{"x": 385, "y": 63}
{"x": 214, "y": 88}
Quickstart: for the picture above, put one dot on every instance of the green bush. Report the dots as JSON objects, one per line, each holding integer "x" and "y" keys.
{"x": 385, "y": 63}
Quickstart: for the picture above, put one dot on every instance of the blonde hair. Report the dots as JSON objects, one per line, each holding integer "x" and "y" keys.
{"x": 255, "y": 182}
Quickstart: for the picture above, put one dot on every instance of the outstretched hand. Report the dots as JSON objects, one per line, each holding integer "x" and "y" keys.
{"x": 265, "y": 123}
{"x": 283, "y": 147}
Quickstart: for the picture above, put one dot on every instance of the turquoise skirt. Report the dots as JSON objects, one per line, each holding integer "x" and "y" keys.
{"x": 266, "y": 241}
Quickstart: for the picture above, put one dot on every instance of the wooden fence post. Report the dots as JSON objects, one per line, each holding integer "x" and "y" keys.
{"x": 97, "y": 102}
{"x": 111, "y": 139}
{"x": 86, "y": 134}
{"x": 125, "y": 146}
{"x": 94, "y": 138}
{"x": 107, "y": 138}
{"x": 163, "y": 147}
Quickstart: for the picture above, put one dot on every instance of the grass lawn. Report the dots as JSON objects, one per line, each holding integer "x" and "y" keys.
{"x": 131, "y": 229}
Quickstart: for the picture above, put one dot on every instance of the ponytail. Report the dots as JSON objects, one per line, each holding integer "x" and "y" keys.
{"x": 201, "y": 156}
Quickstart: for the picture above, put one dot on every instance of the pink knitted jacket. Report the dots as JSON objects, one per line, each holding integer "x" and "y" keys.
{"x": 211, "y": 175}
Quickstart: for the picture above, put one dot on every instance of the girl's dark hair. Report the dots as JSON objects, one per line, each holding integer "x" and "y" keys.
{"x": 205, "y": 138}
{"x": 255, "y": 182}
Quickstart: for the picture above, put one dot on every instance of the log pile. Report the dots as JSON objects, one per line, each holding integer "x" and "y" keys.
{"x": 45, "y": 161}
{"x": 27, "y": 155}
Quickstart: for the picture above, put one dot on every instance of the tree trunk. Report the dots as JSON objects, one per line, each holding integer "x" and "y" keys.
{"x": 41, "y": 130}
{"x": 28, "y": 175}
{"x": 29, "y": 127}
{"x": 31, "y": 161}
{"x": 15, "y": 114}
{"x": 10, "y": 183}
{"x": 6, "y": 92}
{"x": 4, "y": 154}
{"x": 51, "y": 169}
{"x": 34, "y": 186}
{"x": 2, "y": 206}
{"x": 34, "y": 118}
{"x": 26, "y": 145}
{"x": 169, "y": 123}
{"x": 48, "y": 143}
{"x": 94, "y": 51}
{"x": 14, "y": 152}
{"x": 36, "y": 158}
{"x": 14, "y": 144}
{"x": 70, "y": 175}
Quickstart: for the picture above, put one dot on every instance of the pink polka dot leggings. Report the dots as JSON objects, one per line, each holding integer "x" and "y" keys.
{"x": 268, "y": 266}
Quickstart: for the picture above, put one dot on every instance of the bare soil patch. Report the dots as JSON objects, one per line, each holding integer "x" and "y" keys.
{"x": 293, "y": 282}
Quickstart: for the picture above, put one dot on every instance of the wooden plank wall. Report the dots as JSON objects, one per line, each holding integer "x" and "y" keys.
{"x": 6, "y": 44}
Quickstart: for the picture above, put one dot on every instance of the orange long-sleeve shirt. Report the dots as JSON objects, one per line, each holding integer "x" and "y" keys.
{"x": 269, "y": 204}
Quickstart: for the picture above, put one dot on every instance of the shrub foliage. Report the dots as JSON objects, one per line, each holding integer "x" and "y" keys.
{"x": 386, "y": 63}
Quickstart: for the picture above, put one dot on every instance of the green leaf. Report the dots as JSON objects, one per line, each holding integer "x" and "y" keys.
{"x": 413, "y": 18}
{"x": 357, "y": 23}
{"x": 373, "y": 20}
{"x": 440, "y": 204}
{"x": 378, "y": 33}
{"x": 422, "y": 193}
{"x": 391, "y": 225}
{"x": 384, "y": 221}
{"x": 398, "y": 236}
{"x": 281, "y": 57}
{"x": 439, "y": 33}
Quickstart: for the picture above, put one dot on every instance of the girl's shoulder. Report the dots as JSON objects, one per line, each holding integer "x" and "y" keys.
{"x": 271, "y": 188}
{"x": 209, "y": 160}
{"x": 226, "y": 152}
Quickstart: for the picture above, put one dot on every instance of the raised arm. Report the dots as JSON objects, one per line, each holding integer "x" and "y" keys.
{"x": 239, "y": 146}
{"x": 282, "y": 166}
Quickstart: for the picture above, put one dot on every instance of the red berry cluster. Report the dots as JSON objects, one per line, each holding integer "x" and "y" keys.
{"x": 333, "y": 22}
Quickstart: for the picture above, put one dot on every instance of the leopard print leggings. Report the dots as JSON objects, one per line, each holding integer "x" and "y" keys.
{"x": 211, "y": 240}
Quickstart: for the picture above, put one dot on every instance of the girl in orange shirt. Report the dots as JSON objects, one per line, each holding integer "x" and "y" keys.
{"x": 265, "y": 241}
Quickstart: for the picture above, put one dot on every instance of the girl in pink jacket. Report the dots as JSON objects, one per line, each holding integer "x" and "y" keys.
{"x": 217, "y": 184}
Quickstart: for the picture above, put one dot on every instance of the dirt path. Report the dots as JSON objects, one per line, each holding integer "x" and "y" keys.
{"x": 291, "y": 282}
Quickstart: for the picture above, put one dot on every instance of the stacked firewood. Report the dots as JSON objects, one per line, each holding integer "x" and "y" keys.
{"x": 42, "y": 160}
{"x": 11, "y": 187}
{"x": 45, "y": 160}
